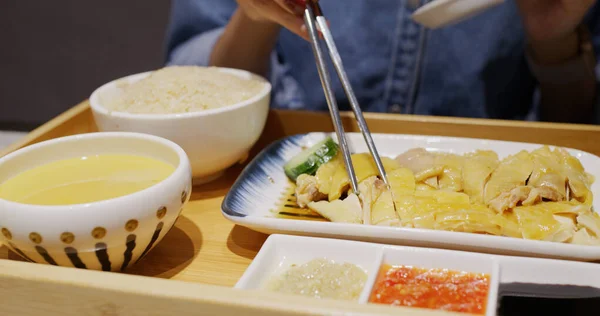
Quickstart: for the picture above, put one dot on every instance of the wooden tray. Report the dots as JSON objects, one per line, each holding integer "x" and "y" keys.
{"x": 204, "y": 255}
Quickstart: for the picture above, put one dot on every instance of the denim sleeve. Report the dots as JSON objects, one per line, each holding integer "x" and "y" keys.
{"x": 194, "y": 27}
{"x": 196, "y": 50}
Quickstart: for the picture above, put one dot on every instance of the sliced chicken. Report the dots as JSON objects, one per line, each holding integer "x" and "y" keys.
{"x": 307, "y": 190}
{"x": 369, "y": 189}
{"x": 415, "y": 211}
{"x": 583, "y": 237}
{"x": 564, "y": 208}
{"x": 523, "y": 195}
{"x": 416, "y": 159}
{"x": 512, "y": 172}
{"x": 433, "y": 181}
{"x": 451, "y": 177}
{"x": 509, "y": 200}
{"x": 378, "y": 201}
{"x": 469, "y": 219}
{"x": 536, "y": 222}
{"x": 477, "y": 168}
{"x": 425, "y": 209}
{"x": 424, "y": 187}
{"x": 577, "y": 178}
{"x": 430, "y": 175}
{"x": 590, "y": 178}
{"x": 348, "y": 210}
{"x": 450, "y": 212}
{"x": 552, "y": 221}
{"x": 445, "y": 197}
{"x": 383, "y": 212}
{"x": 511, "y": 226}
{"x": 543, "y": 193}
{"x": 438, "y": 170}
{"x": 402, "y": 181}
{"x": 566, "y": 230}
{"x": 364, "y": 167}
{"x": 573, "y": 208}
{"x": 591, "y": 221}
{"x": 421, "y": 162}
{"x": 325, "y": 174}
{"x": 548, "y": 175}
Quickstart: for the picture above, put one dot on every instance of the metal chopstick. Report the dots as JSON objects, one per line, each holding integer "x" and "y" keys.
{"x": 314, "y": 13}
{"x": 362, "y": 125}
{"x": 309, "y": 18}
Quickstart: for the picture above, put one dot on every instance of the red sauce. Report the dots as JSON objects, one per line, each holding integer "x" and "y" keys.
{"x": 439, "y": 289}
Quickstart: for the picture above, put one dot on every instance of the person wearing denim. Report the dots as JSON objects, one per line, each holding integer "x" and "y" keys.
{"x": 483, "y": 67}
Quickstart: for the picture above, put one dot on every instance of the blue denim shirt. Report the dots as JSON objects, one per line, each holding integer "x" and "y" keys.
{"x": 476, "y": 68}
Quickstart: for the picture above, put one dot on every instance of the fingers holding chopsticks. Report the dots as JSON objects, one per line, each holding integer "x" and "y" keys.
{"x": 287, "y": 13}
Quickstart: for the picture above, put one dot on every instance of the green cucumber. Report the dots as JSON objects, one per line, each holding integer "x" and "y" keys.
{"x": 309, "y": 160}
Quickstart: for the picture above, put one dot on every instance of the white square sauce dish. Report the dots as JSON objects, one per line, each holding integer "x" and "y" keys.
{"x": 433, "y": 279}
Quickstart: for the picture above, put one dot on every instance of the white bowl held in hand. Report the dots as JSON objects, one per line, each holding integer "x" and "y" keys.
{"x": 214, "y": 139}
{"x": 109, "y": 234}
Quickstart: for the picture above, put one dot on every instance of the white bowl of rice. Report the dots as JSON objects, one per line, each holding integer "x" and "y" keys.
{"x": 215, "y": 114}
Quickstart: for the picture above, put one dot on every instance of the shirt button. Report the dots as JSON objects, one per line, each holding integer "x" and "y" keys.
{"x": 395, "y": 108}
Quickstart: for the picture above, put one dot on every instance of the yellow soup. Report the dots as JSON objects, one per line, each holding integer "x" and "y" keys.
{"x": 85, "y": 179}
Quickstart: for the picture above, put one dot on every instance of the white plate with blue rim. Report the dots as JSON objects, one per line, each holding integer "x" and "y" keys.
{"x": 259, "y": 193}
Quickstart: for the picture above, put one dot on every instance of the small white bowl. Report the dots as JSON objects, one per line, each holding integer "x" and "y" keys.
{"x": 105, "y": 235}
{"x": 214, "y": 139}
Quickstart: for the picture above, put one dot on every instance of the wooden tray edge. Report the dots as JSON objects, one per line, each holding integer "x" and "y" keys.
{"x": 63, "y": 122}
{"x": 28, "y": 288}
{"x": 50, "y": 129}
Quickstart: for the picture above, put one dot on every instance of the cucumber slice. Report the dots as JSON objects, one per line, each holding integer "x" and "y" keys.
{"x": 309, "y": 160}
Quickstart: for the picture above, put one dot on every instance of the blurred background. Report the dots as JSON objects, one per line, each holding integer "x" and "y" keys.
{"x": 55, "y": 53}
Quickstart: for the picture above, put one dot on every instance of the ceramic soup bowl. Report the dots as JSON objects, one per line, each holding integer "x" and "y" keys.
{"x": 107, "y": 235}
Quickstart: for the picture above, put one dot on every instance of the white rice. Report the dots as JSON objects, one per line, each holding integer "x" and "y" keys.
{"x": 182, "y": 89}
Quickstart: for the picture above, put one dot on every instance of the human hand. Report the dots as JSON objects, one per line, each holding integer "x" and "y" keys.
{"x": 551, "y": 27}
{"x": 287, "y": 13}
{"x": 548, "y": 20}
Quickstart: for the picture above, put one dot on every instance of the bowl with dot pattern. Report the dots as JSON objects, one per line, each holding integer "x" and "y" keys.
{"x": 110, "y": 234}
